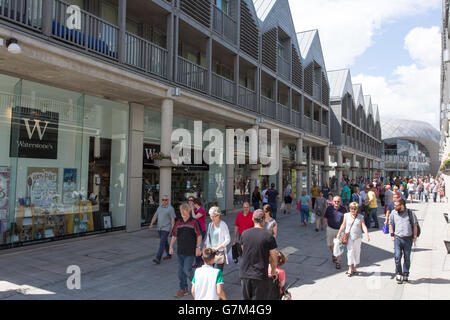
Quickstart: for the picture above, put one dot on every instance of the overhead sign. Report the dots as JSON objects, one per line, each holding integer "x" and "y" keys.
{"x": 34, "y": 134}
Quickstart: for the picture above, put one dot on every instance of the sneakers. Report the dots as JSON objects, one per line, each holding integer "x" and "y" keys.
{"x": 405, "y": 278}
{"x": 181, "y": 293}
{"x": 399, "y": 279}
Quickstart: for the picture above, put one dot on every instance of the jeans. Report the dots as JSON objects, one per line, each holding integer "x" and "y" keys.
{"x": 274, "y": 208}
{"x": 371, "y": 216}
{"x": 345, "y": 203}
{"x": 402, "y": 247}
{"x": 163, "y": 243}
{"x": 435, "y": 196}
{"x": 219, "y": 266}
{"x": 256, "y": 205}
{"x": 427, "y": 195}
{"x": 304, "y": 210}
{"x": 185, "y": 270}
{"x": 199, "y": 260}
{"x": 421, "y": 195}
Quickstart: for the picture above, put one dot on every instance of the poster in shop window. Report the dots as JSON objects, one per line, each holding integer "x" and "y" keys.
{"x": 42, "y": 186}
{"x": 4, "y": 192}
{"x": 70, "y": 185}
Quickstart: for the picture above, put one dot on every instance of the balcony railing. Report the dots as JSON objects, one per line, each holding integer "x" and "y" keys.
{"x": 284, "y": 68}
{"x": 317, "y": 92}
{"x": 296, "y": 119}
{"x": 316, "y": 128}
{"x": 325, "y": 133}
{"x": 247, "y": 98}
{"x": 191, "y": 74}
{"x": 268, "y": 107}
{"x": 282, "y": 113}
{"x": 145, "y": 55}
{"x": 93, "y": 33}
{"x": 307, "y": 124}
{"x": 223, "y": 88}
{"x": 26, "y": 13}
{"x": 225, "y": 25}
{"x": 343, "y": 139}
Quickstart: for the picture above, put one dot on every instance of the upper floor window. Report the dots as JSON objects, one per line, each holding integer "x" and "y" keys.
{"x": 223, "y": 5}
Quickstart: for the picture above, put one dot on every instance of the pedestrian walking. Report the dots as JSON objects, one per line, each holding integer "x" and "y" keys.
{"x": 426, "y": 190}
{"x": 421, "y": 189}
{"x": 305, "y": 208}
{"x": 256, "y": 198}
{"x": 329, "y": 200}
{"x": 218, "y": 236}
{"x": 244, "y": 221}
{"x": 373, "y": 207}
{"x": 319, "y": 210}
{"x": 326, "y": 190}
{"x": 314, "y": 194}
{"x": 263, "y": 194}
{"x": 165, "y": 217}
{"x": 410, "y": 186}
{"x": 287, "y": 199}
{"x": 207, "y": 283}
{"x": 199, "y": 213}
{"x": 188, "y": 237}
{"x": 333, "y": 220}
{"x": 354, "y": 225}
{"x": 272, "y": 196}
{"x": 281, "y": 261}
{"x": 435, "y": 191}
{"x": 388, "y": 198}
{"x": 258, "y": 251}
{"x": 403, "y": 229}
{"x": 270, "y": 223}
{"x": 346, "y": 194}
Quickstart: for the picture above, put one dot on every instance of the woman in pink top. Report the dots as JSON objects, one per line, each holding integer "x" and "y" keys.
{"x": 281, "y": 274}
{"x": 199, "y": 213}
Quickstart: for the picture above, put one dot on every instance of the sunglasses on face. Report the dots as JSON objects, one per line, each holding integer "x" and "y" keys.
{"x": 165, "y": 199}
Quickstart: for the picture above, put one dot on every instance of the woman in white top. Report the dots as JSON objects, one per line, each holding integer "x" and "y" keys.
{"x": 354, "y": 224}
{"x": 410, "y": 186}
{"x": 217, "y": 235}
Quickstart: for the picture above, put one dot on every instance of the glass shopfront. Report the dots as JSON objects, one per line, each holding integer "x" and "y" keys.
{"x": 63, "y": 171}
{"x": 405, "y": 158}
{"x": 199, "y": 180}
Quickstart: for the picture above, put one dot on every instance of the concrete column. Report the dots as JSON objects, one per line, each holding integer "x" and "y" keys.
{"x": 299, "y": 162}
{"x": 236, "y": 78}
{"x": 229, "y": 188}
{"x": 209, "y": 64}
{"x": 327, "y": 164}
{"x": 170, "y": 45}
{"x": 47, "y": 14}
{"x": 165, "y": 173}
{"x": 280, "y": 171}
{"x": 135, "y": 165}
{"x": 353, "y": 166}
{"x": 309, "y": 184}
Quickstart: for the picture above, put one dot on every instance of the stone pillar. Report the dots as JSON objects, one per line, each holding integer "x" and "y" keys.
{"x": 353, "y": 166}
{"x": 327, "y": 168}
{"x": 309, "y": 184}
{"x": 299, "y": 168}
{"x": 229, "y": 188}
{"x": 165, "y": 172}
{"x": 135, "y": 165}
{"x": 280, "y": 170}
{"x": 122, "y": 19}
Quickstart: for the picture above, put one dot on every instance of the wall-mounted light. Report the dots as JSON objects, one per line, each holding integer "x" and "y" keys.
{"x": 13, "y": 47}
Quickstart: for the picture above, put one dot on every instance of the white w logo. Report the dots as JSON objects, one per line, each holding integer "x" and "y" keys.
{"x": 36, "y": 125}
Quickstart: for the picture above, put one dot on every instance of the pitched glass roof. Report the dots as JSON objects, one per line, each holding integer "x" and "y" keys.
{"x": 395, "y": 128}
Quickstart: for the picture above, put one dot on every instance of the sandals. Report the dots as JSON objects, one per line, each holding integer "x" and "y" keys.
{"x": 349, "y": 274}
{"x": 338, "y": 265}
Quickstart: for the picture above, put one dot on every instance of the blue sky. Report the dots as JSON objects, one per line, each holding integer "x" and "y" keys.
{"x": 389, "y": 43}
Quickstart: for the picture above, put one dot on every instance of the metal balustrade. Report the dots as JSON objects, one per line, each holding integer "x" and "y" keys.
{"x": 296, "y": 119}
{"x": 223, "y": 88}
{"x": 307, "y": 124}
{"x": 317, "y": 92}
{"x": 144, "y": 55}
{"x": 224, "y": 25}
{"x": 284, "y": 68}
{"x": 247, "y": 98}
{"x": 93, "y": 33}
{"x": 191, "y": 75}
{"x": 282, "y": 113}
{"x": 268, "y": 107}
{"x": 325, "y": 133}
{"x": 27, "y": 13}
{"x": 316, "y": 128}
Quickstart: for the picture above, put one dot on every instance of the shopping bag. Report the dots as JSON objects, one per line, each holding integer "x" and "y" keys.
{"x": 282, "y": 206}
{"x": 230, "y": 255}
{"x": 310, "y": 215}
{"x": 299, "y": 205}
{"x": 313, "y": 218}
{"x": 386, "y": 229}
{"x": 338, "y": 248}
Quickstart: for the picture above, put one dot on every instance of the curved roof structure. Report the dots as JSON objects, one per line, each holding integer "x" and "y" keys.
{"x": 414, "y": 130}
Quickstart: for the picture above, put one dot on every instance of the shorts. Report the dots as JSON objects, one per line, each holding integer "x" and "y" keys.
{"x": 331, "y": 235}
{"x": 410, "y": 192}
{"x": 288, "y": 200}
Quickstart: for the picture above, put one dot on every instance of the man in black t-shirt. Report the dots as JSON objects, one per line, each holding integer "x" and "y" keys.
{"x": 272, "y": 195}
{"x": 259, "y": 249}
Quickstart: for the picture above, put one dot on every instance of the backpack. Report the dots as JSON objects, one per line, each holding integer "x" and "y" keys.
{"x": 412, "y": 224}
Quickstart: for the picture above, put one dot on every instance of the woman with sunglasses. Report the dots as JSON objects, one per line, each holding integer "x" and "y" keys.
{"x": 354, "y": 225}
{"x": 198, "y": 213}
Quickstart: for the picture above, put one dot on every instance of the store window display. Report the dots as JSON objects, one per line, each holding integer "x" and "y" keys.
{"x": 66, "y": 165}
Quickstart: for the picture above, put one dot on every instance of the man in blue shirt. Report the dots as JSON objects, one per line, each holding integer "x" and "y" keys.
{"x": 334, "y": 216}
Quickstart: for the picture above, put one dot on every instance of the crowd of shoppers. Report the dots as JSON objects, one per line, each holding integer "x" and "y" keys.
{"x": 347, "y": 215}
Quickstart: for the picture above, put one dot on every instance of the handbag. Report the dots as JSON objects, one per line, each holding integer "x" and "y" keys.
{"x": 220, "y": 255}
{"x": 347, "y": 234}
{"x": 299, "y": 205}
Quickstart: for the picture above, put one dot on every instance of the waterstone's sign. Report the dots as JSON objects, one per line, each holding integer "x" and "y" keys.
{"x": 34, "y": 134}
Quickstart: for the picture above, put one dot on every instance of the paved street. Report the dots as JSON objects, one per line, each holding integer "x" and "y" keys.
{"x": 119, "y": 266}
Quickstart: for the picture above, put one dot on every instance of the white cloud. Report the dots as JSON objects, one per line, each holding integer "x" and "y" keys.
{"x": 347, "y": 27}
{"x": 410, "y": 92}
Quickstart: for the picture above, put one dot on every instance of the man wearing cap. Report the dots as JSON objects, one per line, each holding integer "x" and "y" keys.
{"x": 258, "y": 251}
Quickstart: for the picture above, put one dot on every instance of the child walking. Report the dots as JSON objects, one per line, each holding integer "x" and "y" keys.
{"x": 207, "y": 283}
